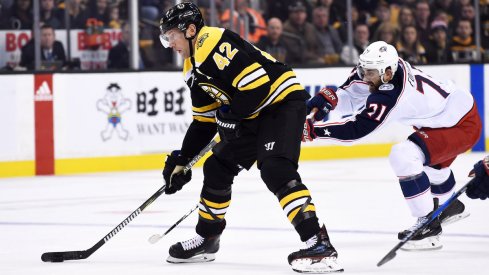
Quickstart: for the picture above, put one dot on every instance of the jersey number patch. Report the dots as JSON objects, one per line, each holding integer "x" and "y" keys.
{"x": 223, "y": 60}
{"x": 374, "y": 114}
{"x": 419, "y": 85}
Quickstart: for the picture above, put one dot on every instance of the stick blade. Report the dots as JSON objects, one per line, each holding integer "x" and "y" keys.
{"x": 387, "y": 258}
{"x": 57, "y": 257}
{"x": 154, "y": 239}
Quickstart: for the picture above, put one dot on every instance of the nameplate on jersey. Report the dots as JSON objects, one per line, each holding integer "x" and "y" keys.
{"x": 386, "y": 87}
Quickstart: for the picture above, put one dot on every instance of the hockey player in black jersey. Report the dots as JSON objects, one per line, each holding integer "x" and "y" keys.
{"x": 258, "y": 107}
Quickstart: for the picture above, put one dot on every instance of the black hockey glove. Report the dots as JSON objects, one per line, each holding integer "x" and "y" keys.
{"x": 479, "y": 188}
{"x": 173, "y": 174}
{"x": 227, "y": 125}
{"x": 325, "y": 101}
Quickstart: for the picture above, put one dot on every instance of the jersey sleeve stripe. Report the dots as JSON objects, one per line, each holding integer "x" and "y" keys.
{"x": 245, "y": 72}
{"x": 286, "y": 88}
{"x": 255, "y": 83}
{"x": 251, "y": 77}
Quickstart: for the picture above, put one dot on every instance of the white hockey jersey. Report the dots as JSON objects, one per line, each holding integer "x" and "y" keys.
{"x": 412, "y": 98}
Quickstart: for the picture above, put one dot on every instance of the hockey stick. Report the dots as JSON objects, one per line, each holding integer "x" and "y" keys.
{"x": 423, "y": 225}
{"x": 83, "y": 254}
{"x": 156, "y": 237}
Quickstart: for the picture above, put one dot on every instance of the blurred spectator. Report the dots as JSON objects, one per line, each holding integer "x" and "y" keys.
{"x": 485, "y": 39}
{"x": 463, "y": 45}
{"x": 100, "y": 11}
{"x": 20, "y": 15}
{"x": 115, "y": 21}
{"x": 382, "y": 15}
{"x": 422, "y": 15}
{"x": 51, "y": 50}
{"x": 329, "y": 42}
{"x": 360, "y": 42}
{"x": 387, "y": 33}
{"x": 356, "y": 18}
{"x": 468, "y": 13}
{"x": 256, "y": 23}
{"x": 438, "y": 51}
{"x": 280, "y": 9}
{"x": 409, "y": 47}
{"x": 337, "y": 10}
{"x": 406, "y": 17}
{"x": 409, "y": 3}
{"x": 299, "y": 36}
{"x": 366, "y": 5}
{"x": 78, "y": 14}
{"x": 446, "y": 6}
{"x": 272, "y": 43}
{"x": 119, "y": 54}
{"x": 49, "y": 14}
{"x": 149, "y": 9}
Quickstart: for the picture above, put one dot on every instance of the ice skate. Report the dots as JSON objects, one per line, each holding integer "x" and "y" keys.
{"x": 427, "y": 239}
{"x": 453, "y": 213}
{"x": 319, "y": 256}
{"x": 195, "y": 250}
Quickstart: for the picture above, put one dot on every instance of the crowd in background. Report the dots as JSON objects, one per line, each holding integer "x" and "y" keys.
{"x": 297, "y": 32}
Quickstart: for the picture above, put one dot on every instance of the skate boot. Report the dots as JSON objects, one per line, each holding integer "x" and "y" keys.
{"x": 453, "y": 213}
{"x": 195, "y": 250}
{"x": 319, "y": 256}
{"x": 427, "y": 239}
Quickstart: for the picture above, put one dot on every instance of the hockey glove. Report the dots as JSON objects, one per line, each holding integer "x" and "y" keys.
{"x": 227, "y": 125}
{"x": 308, "y": 133}
{"x": 325, "y": 101}
{"x": 173, "y": 174}
{"x": 479, "y": 188}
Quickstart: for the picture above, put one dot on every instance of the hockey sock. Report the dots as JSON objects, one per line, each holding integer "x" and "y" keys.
{"x": 213, "y": 205}
{"x": 416, "y": 191}
{"x": 443, "y": 191}
{"x": 296, "y": 202}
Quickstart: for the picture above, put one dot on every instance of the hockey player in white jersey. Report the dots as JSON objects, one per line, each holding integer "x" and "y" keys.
{"x": 384, "y": 88}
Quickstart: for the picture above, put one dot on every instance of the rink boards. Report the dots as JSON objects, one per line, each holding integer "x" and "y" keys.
{"x": 66, "y": 123}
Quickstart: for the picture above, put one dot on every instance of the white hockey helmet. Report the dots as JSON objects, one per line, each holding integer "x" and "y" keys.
{"x": 379, "y": 56}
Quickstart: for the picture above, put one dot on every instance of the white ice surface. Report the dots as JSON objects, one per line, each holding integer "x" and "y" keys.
{"x": 359, "y": 200}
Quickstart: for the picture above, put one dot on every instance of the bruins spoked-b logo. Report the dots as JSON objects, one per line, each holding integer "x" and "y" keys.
{"x": 113, "y": 104}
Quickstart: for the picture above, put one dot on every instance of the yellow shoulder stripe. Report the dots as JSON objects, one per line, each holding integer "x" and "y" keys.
{"x": 253, "y": 67}
{"x": 207, "y": 40}
{"x": 206, "y": 108}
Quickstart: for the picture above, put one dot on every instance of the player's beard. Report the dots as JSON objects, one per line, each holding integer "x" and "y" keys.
{"x": 371, "y": 86}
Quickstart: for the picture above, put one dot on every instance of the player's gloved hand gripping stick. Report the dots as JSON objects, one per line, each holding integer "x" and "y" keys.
{"x": 83, "y": 254}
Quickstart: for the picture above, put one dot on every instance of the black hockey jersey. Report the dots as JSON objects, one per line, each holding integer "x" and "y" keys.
{"x": 232, "y": 72}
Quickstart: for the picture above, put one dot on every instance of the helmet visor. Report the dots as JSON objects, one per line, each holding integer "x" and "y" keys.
{"x": 169, "y": 37}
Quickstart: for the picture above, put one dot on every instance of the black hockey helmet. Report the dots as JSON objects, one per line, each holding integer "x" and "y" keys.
{"x": 181, "y": 16}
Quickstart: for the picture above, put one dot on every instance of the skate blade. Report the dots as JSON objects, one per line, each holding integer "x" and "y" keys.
{"x": 455, "y": 218}
{"x": 202, "y": 258}
{"x": 326, "y": 265}
{"x": 430, "y": 243}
